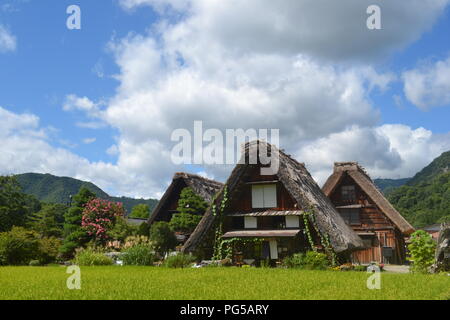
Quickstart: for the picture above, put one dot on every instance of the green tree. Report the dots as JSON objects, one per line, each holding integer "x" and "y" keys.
{"x": 121, "y": 230}
{"x": 15, "y": 206}
{"x": 140, "y": 211}
{"x": 144, "y": 229}
{"x": 74, "y": 235}
{"x": 18, "y": 246}
{"x": 162, "y": 237}
{"x": 191, "y": 208}
{"x": 421, "y": 248}
{"x": 47, "y": 222}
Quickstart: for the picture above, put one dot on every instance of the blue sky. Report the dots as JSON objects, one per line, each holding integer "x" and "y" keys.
{"x": 52, "y": 61}
{"x": 103, "y": 63}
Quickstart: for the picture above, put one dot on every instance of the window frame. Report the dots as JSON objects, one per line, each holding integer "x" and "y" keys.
{"x": 261, "y": 192}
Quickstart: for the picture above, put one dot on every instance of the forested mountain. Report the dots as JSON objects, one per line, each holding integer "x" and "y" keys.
{"x": 53, "y": 189}
{"x": 387, "y": 185}
{"x": 439, "y": 166}
{"x": 425, "y": 199}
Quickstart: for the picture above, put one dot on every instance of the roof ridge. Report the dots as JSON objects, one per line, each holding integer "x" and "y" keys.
{"x": 193, "y": 175}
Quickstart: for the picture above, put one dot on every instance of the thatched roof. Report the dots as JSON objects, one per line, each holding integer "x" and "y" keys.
{"x": 363, "y": 180}
{"x": 301, "y": 187}
{"x": 204, "y": 187}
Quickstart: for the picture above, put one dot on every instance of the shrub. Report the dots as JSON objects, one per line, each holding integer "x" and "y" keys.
{"x": 48, "y": 249}
{"x": 421, "y": 248}
{"x": 18, "y": 246}
{"x": 360, "y": 268}
{"x": 91, "y": 257}
{"x": 311, "y": 260}
{"x": 136, "y": 240}
{"x": 294, "y": 261}
{"x": 346, "y": 267}
{"x": 139, "y": 255}
{"x": 99, "y": 217}
{"x": 316, "y": 260}
{"x": 180, "y": 260}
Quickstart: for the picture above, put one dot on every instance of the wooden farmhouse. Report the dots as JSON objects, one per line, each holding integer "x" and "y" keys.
{"x": 369, "y": 213}
{"x": 268, "y": 215}
{"x": 168, "y": 204}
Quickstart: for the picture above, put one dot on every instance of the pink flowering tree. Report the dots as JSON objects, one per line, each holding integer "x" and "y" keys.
{"x": 99, "y": 216}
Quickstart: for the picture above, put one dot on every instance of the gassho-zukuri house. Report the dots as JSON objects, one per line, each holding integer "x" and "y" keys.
{"x": 369, "y": 213}
{"x": 168, "y": 204}
{"x": 257, "y": 217}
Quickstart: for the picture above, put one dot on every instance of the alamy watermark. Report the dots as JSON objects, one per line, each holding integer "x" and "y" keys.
{"x": 213, "y": 147}
{"x": 374, "y": 280}
{"x": 74, "y": 280}
{"x": 74, "y": 20}
{"x": 374, "y": 20}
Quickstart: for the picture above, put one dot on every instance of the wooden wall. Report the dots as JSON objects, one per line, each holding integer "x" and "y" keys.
{"x": 243, "y": 202}
{"x": 372, "y": 220}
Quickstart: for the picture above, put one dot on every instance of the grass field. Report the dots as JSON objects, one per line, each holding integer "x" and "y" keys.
{"x": 214, "y": 283}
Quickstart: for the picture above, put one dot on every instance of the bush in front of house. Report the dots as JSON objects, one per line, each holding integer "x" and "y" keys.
{"x": 138, "y": 255}
{"x": 294, "y": 261}
{"x": 421, "y": 249}
{"x": 91, "y": 257}
{"x": 310, "y": 260}
{"x": 316, "y": 261}
{"x": 179, "y": 260}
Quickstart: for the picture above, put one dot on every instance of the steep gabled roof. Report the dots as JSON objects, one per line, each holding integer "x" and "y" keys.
{"x": 204, "y": 187}
{"x": 362, "y": 179}
{"x": 301, "y": 187}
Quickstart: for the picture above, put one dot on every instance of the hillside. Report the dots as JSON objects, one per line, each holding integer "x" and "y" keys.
{"x": 53, "y": 189}
{"x": 387, "y": 185}
{"x": 439, "y": 165}
{"x": 425, "y": 199}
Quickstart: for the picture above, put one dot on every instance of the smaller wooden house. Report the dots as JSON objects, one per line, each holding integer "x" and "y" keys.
{"x": 269, "y": 217}
{"x": 365, "y": 209}
{"x": 168, "y": 204}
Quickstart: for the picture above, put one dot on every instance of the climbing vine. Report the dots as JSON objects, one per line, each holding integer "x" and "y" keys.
{"x": 309, "y": 216}
{"x": 218, "y": 241}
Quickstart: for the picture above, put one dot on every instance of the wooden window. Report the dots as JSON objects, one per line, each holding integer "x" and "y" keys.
{"x": 350, "y": 216}
{"x": 292, "y": 222}
{"x": 348, "y": 193}
{"x": 264, "y": 196}
{"x": 368, "y": 241}
{"x": 250, "y": 222}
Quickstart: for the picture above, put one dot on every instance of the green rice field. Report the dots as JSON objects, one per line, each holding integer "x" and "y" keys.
{"x": 158, "y": 283}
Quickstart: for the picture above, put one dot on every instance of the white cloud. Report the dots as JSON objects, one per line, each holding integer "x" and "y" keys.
{"x": 89, "y": 140}
{"x": 8, "y": 41}
{"x": 248, "y": 64}
{"x": 74, "y": 102}
{"x": 322, "y": 28}
{"x": 91, "y": 124}
{"x": 26, "y": 148}
{"x": 428, "y": 86}
{"x": 392, "y": 151}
